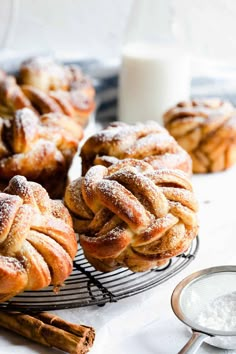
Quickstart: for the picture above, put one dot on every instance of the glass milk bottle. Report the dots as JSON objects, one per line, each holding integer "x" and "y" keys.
{"x": 155, "y": 69}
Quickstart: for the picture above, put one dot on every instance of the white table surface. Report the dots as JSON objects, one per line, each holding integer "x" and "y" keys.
{"x": 145, "y": 323}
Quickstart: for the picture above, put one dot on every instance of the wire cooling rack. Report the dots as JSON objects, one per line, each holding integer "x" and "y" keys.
{"x": 87, "y": 286}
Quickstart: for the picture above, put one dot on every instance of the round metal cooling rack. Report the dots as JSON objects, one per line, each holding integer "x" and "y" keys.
{"x": 87, "y": 286}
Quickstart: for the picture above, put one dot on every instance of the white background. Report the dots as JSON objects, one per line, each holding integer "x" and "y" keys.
{"x": 94, "y": 28}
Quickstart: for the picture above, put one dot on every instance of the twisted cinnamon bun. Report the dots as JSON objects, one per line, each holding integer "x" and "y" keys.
{"x": 131, "y": 215}
{"x": 37, "y": 241}
{"x": 47, "y": 87}
{"x": 40, "y": 148}
{"x": 206, "y": 129}
{"x": 149, "y": 142}
{"x": 52, "y": 87}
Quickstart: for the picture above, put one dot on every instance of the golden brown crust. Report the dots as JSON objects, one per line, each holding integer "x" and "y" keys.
{"x": 206, "y": 129}
{"x": 40, "y": 100}
{"x": 48, "y": 87}
{"x": 48, "y": 75}
{"x": 11, "y": 96}
{"x": 52, "y": 87}
{"x": 13, "y": 277}
{"x": 39, "y": 148}
{"x": 44, "y": 74}
{"x": 149, "y": 142}
{"x": 37, "y": 244}
{"x": 132, "y": 215}
{"x": 75, "y": 104}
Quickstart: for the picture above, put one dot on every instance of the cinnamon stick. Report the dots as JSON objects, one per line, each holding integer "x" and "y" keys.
{"x": 50, "y": 330}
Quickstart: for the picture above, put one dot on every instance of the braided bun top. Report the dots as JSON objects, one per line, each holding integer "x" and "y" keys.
{"x": 37, "y": 241}
{"x": 47, "y": 75}
{"x": 206, "y": 129}
{"x": 130, "y": 215}
{"x": 149, "y": 142}
{"x": 48, "y": 87}
{"x": 38, "y": 148}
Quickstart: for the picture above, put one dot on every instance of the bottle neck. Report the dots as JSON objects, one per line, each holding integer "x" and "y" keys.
{"x": 153, "y": 22}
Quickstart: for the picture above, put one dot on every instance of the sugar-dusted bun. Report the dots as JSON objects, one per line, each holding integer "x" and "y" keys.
{"x": 45, "y": 74}
{"x": 37, "y": 241}
{"x": 39, "y": 148}
{"x": 52, "y": 87}
{"x": 131, "y": 215}
{"x": 206, "y": 129}
{"x": 149, "y": 142}
{"x": 48, "y": 87}
{"x": 74, "y": 103}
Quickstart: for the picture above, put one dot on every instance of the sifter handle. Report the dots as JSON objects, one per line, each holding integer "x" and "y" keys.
{"x": 194, "y": 343}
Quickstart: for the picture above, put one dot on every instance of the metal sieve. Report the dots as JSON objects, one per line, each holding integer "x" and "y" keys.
{"x": 193, "y": 294}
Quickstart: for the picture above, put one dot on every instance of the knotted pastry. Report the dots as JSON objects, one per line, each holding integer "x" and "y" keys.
{"x": 45, "y": 74}
{"x": 149, "y": 142}
{"x": 37, "y": 241}
{"x": 75, "y": 103}
{"x": 206, "y": 129}
{"x": 52, "y": 87}
{"x": 47, "y": 87}
{"x": 40, "y": 148}
{"x": 131, "y": 215}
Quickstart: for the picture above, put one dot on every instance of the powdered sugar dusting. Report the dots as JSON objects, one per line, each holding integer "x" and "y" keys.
{"x": 8, "y": 207}
{"x": 123, "y": 203}
{"x": 25, "y": 122}
{"x": 144, "y": 189}
{"x": 44, "y": 64}
{"x": 11, "y": 264}
{"x": 152, "y": 144}
{"x": 138, "y": 141}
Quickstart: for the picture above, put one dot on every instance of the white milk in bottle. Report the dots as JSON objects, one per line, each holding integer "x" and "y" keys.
{"x": 155, "y": 70}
